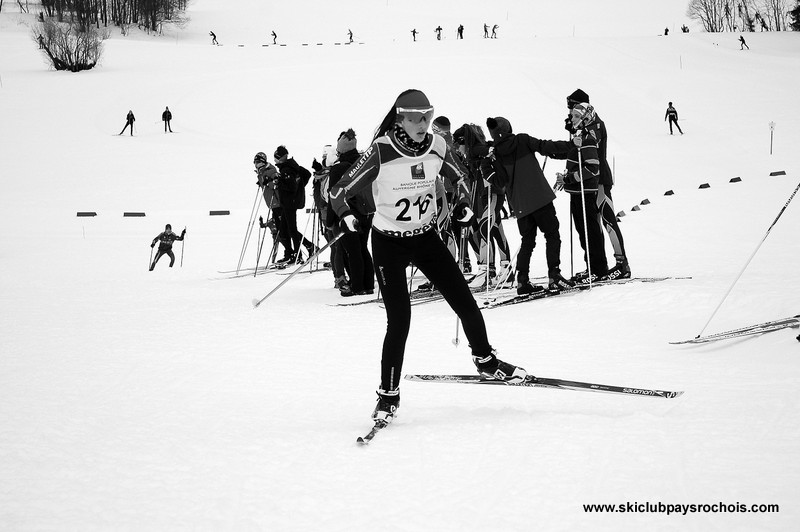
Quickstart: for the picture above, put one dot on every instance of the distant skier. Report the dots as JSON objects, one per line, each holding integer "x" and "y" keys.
{"x": 274, "y": 37}
{"x": 485, "y": 31}
{"x": 743, "y": 44}
{"x": 438, "y": 31}
{"x": 129, "y": 120}
{"x": 460, "y": 32}
{"x": 672, "y": 115}
{"x": 494, "y": 31}
{"x": 41, "y": 42}
{"x": 350, "y": 35}
{"x": 166, "y": 117}
{"x": 414, "y": 34}
{"x": 213, "y": 38}
{"x": 666, "y": 32}
{"x": 165, "y": 241}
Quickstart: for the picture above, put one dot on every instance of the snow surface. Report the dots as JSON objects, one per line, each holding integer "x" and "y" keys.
{"x": 132, "y": 400}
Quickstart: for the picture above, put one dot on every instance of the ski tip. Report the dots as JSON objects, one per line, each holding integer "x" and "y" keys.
{"x": 256, "y": 303}
{"x": 362, "y": 441}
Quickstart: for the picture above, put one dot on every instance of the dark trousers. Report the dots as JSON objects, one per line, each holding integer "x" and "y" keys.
{"x": 427, "y": 251}
{"x": 359, "y": 260}
{"x": 161, "y": 253}
{"x": 673, "y": 121}
{"x": 596, "y": 251}
{"x": 167, "y": 125}
{"x": 126, "y": 127}
{"x": 543, "y": 219}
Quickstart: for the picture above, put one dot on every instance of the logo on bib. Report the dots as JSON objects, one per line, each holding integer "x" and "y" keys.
{"x": 418, "y": 171}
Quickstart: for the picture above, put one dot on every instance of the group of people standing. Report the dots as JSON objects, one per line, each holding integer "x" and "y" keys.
{"x": 423, "y": 198}
{"x": 459, "y": 32}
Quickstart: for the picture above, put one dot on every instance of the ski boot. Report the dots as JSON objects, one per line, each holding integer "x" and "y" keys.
{"x": 388, "y": 403}
{"x": 493, "y": 368}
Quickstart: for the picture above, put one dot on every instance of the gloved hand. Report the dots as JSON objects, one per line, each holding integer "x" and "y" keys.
{"x": 350, "y": 224}
{"x": 183, "y": 233}
{"x": 463, "y": 213}
{"x": 559, "y": 182}
{"x": 153, "y": 245}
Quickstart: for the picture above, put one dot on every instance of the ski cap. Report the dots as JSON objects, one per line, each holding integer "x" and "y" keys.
{"x": 499, "y": 127}
{"x": 168, "y": 227}
{"x": 414, "y": 101}
{"x": 441, "y": 125}
{"x": 577, "y": 97}
{"x": 260, "y": 158}
{"x": 281, "y": 152}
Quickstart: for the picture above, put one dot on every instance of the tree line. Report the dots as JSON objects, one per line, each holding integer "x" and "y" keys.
{"x": 745, "y": 15}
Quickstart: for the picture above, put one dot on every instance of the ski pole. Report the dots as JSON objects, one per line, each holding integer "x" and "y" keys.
{"x": 151, "y": 258}
{"x": 585, "y": 216}
{"x": 249, "y": 229}
{"x": 750, "y": 259}
{"x": 257, "y": 302}
{"x": 182, "y": 241}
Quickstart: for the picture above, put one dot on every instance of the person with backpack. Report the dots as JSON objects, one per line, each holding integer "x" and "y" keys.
{"x": 354, "y": 244}
{"x": 292, "y": 181}
{"x": 165, "y": 241}
{"x": 400, "y": 169}
{"x": 514, "y": 167}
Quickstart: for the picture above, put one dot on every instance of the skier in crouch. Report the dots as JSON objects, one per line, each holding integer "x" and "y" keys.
{"x": 401, "y": 167}
{"x": 165, "y": 241}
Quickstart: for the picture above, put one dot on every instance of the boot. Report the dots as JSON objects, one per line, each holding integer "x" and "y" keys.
{"x": 388, "y": 403}
{"x": 493, "y": 368}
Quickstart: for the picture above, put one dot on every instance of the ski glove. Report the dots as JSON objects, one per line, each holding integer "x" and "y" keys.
{"x": 153, "y": 245}
{"x": 463, "y": 213}
{"x": 350, "y": 224}
{"x": 559, "y": 182}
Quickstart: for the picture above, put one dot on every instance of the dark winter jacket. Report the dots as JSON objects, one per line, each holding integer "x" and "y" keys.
{"x": 526, "y": 188}
{"x": 268, "y": 181}
{"x": 566, "y": 149}
{"x": 362, "y": 203}
{"x": 291, "y": 191}
{"x": 599, "y": 128}
{"x": 166, "y": 239}
{"x": 166, "y": 116}
{"x": 130, "y": 118}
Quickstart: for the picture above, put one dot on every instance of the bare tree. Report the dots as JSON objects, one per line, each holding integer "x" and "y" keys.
{"x": 710, "y": 13}
{"x": 67, "y": 46}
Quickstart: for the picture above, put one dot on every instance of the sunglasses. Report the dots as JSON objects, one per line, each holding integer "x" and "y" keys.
{"x": 416, "y": 114}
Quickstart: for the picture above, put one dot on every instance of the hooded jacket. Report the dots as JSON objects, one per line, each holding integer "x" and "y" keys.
{"x": 527, "y": 189}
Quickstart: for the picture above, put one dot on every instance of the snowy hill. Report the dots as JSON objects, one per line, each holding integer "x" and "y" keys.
{"x": 136, "y": 400}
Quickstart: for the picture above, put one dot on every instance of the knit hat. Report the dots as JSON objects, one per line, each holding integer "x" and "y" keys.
{"x": 168, "y": 227}
{"x": 413, "y": 100}
{"x": 577, "y": 97}
{"x": 346, "y": 142}
{"x": 260, "y": 158}
{"x": 280, "y": 152}
{"x": 499, "y": 127}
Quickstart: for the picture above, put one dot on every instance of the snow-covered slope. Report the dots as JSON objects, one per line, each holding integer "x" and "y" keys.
{"x": 136, "y": 400}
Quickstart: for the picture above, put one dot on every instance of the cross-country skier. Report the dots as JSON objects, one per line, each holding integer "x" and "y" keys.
{"x": 292, "y": 181}
{"x": 530, "y": 196}
{"x": 166, "y": 117}
{"x": 605, "y": 203}
{"x": 267, "y": 180}
{"x": 165, "y": 241}
{"x": 354, "y": 245}
{"x": 672, "y": 115}
{"x": 401, "y": 167}
{"x": 129, "y": 120}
